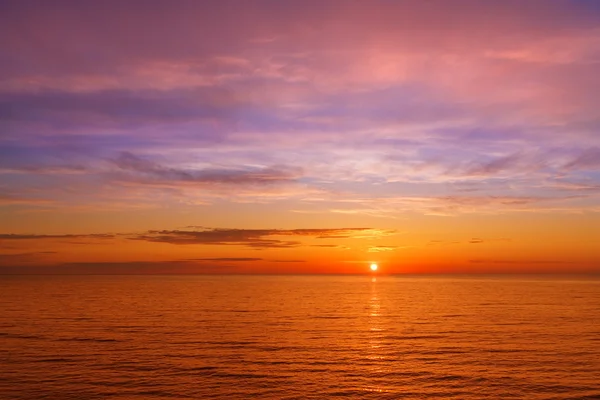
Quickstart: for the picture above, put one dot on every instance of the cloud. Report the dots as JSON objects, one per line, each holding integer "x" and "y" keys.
{"x": 488, "y": 240}
{"x": 523, "y": 262}
{"x": 576, "y": 186}
{"x": 148, "y": 169}
{"x": 494, "y": 166}
{"x": 378, "y": 249}
{"x": 226, "y": 259}
{"x": 24, "y": 257}
{"x": 13, "y": 236}
{"x": 119, "y": 268}
{"x": 253, "y": 238}
{"x": 588, "y": 159}
{"x": 118, "y": 107}
{"x": 470, "y": 241}
{"x": 45, "y": 169}
{"x": 441, "y": 243}
{"x": 28, "y": 263}
{"x": 450, "y": 205}
{"x": 18, "y": 200}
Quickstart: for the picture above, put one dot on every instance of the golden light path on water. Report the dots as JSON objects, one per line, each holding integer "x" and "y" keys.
{"x": 375, "y": 356}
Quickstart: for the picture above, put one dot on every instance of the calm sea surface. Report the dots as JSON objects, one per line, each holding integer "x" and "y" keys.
{"x": 299, "y": 337}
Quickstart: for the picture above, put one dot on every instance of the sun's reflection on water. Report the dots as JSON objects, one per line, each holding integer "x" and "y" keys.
{"x": 376, "y": 328}
{"x": 375, "y": 354}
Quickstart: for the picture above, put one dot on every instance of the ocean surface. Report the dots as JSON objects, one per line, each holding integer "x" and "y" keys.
{"x": 299, "y": 337}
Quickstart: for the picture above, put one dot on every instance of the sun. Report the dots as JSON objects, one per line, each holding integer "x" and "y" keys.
{"x": 373, "y": 267}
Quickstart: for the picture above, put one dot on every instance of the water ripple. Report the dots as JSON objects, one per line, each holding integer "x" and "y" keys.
{"x": 297, "y": 338}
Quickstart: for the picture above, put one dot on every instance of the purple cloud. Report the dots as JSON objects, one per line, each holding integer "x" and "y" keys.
{"x": 397, "y": 107}
{"x": 148, "y": 169}
{"x": 589, "y": 159}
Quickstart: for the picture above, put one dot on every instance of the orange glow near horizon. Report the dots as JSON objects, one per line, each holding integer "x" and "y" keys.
{"x": 328, "y": 251}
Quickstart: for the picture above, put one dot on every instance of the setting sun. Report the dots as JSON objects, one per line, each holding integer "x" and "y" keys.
{"x": 373, "y": 267}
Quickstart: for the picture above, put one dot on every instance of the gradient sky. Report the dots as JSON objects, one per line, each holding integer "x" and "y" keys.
{"x": 299, "y": 136}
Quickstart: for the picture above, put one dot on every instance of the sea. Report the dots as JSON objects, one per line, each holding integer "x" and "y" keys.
{"x": 299, "y": 337}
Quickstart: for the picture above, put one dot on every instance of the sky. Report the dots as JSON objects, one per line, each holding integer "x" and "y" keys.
{"x": 304, "y": 136}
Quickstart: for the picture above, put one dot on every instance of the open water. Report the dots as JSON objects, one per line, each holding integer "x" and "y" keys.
{"x": 299, "y": 337}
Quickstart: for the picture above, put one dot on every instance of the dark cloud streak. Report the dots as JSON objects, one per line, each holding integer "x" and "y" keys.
{"x": 148, "y": 169}
{"x": 253, "y": 238}
{"x": 14, "y": 236}
{"x": 226, "y": 259}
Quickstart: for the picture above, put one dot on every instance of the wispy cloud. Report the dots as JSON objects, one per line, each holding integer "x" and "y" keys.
{"x": 521, "y": 262}
{"x": 119, "y": 268}
{"x": 494, "y": 166}
{"x": 378, "y": 249}
{"x": 451, "y": 205}
{"x": 13, "y": 236}
{"x": 150, "y": 171}
{"x": 476, "y": 241}
{"x": 28, "y": 256}
{"x": 588, "y": 159}
{"x": 18, "y": 200}
{"x": 226, "y": 259}
{"x": 45, "y": 169}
